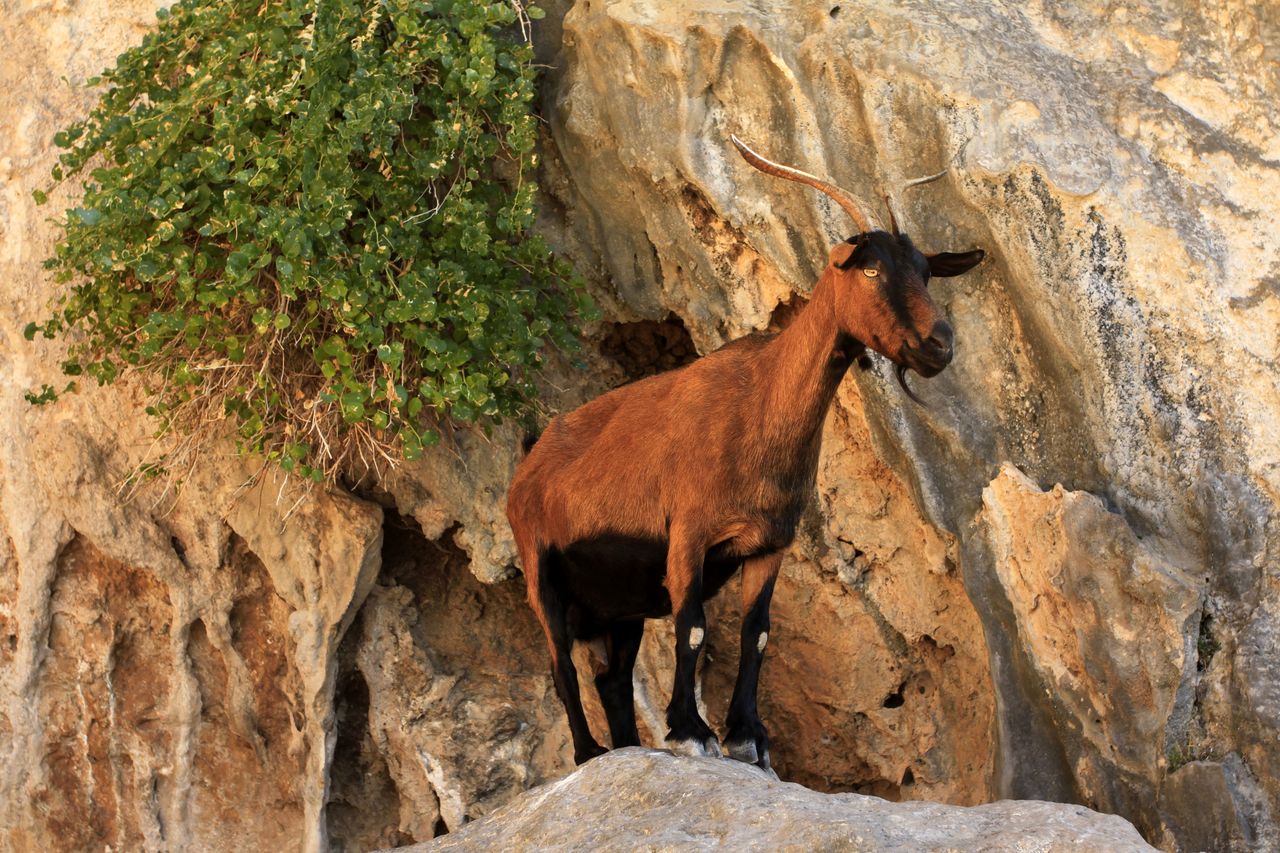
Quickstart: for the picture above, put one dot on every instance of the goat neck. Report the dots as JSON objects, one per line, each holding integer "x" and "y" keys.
{"x": 803, "y": 367}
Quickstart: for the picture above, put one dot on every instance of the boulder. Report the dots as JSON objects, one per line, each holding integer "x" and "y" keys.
{"x": 638, "y": 799}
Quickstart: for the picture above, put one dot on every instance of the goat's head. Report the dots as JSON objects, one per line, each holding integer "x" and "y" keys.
{"x": 884, "y": 301}
{"x": 882, "y": 294}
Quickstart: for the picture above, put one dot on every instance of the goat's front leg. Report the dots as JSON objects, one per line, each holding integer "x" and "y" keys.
{"x": 747, "y": 739}
{"x": 689, "y": 734}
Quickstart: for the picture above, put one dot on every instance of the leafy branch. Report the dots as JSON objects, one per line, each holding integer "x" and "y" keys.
{"x": 314, "y": 218}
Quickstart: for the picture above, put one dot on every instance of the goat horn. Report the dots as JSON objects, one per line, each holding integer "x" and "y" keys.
{"x": 893, "y": 215}
{"x": 928, "y": 179}
{"x": 888, "y": 199}
{"x": 837, "y": 195}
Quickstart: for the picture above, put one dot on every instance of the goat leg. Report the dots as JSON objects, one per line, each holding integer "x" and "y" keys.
{"x": 614, "y": 685}
{"x": 689, "y": 734}
{"x": 747, "y": 739}
{"x": 548, "y": 605}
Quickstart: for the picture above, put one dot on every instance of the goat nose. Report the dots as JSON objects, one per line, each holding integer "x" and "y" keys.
{"x": 940, "y": 340}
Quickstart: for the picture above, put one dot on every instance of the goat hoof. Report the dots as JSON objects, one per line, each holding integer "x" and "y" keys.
{"x": 583, "y": 756}
{"x": 695, "y": 748}
{"x": 749, "y": 744}
{"x": 749, "y": 752}
{"x": 744, "y": 751}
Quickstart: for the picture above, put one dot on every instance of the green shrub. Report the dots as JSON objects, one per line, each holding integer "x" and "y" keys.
{"x": 314, "y": 217}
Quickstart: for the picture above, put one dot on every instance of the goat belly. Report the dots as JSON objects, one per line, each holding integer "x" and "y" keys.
{"x": 614, "y": 576}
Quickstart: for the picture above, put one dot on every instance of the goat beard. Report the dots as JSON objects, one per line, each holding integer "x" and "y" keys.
{"x": 901, "y": 373}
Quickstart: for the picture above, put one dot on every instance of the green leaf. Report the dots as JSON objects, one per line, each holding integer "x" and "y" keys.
{"x": 252, "y": 170}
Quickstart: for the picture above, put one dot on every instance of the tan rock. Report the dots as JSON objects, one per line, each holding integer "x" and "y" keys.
{"x": 199, "y": 667}
{"x": 1121, "y": 339}
{"x": 636, "y": 799}
{"x": 1106, "y": 621}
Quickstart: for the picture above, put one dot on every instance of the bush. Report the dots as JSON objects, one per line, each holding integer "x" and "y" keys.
{"x": 314, "y": 218}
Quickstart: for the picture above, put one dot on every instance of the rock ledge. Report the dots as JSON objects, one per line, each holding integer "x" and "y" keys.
{"x": 642, "y": 799}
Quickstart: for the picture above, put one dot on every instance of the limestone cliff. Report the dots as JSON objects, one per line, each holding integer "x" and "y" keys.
{"x": 1059, "y": 581}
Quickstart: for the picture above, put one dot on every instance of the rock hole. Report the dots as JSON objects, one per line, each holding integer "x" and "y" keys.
{"x": 908, "y": 778}
{"x": 835, "y": 12}
{"x": 895, "y": 700}
{"x": 484, "y": 731}
{"x": 1206, "y": 644}
{"x": 646, "y": 347}
{"x": 940, "y": 652}
{"x": 364, "y": 802}
{"x": 13, "y": 642}
{"x": 785, "y": 313}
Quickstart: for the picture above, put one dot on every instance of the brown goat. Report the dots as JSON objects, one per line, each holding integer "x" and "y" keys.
{"x": 646, "y": 500}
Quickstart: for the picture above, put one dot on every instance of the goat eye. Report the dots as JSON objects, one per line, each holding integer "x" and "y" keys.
{"x": 871, "y": 273}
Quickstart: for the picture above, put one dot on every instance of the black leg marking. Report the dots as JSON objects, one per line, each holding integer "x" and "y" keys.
{"x": 549, "y": 608}
{"x": 689, "y": 734}
{"x": 615, "y": 686}
{"x": 747, "y": 739}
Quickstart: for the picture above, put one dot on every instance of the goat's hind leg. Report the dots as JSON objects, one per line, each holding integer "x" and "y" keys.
{"x": 549, "y": 606}
{"x": 747, "y": 739}
{"x": 614, "y": 684}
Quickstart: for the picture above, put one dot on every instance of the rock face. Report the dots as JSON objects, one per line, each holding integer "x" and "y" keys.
{"x": 636, "y": 799}
{"x": 1121, "y": 341}
{"x": 1060, "y": 581}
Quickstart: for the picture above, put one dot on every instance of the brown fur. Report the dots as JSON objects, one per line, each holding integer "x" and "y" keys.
{"x": 685, "y": 450}
{"x": 647, "y": 499}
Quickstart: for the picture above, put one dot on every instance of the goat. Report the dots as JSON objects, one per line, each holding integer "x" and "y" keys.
{"x": 648, "y": 499}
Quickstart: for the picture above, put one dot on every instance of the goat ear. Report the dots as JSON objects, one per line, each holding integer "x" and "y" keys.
{"x": 840, "y": 254}
{"x": 945, "y": 264}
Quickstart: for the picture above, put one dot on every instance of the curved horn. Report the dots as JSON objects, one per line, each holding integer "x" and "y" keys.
{"x": 838, "y": 195}
{"x": 893, "y": 214}
{"x": 927, "y": 179}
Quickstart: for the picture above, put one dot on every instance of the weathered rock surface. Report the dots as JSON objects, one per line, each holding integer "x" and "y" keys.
{"x": 636, "y": 799}
{"x": 224, "y": 665}
{"x": 1121, "y": 340}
